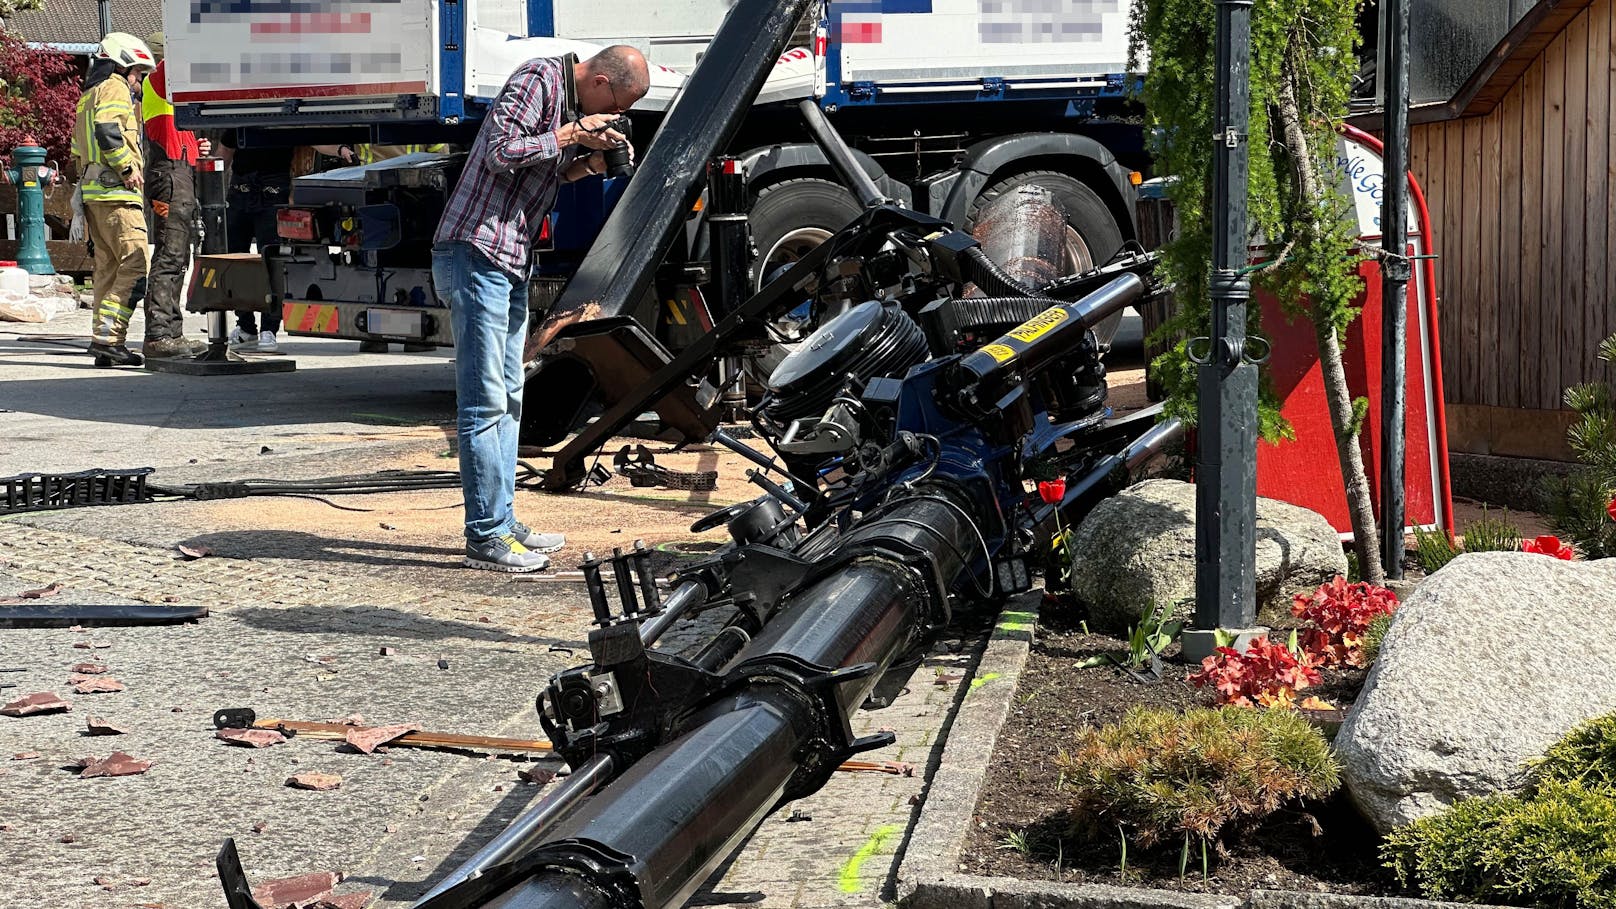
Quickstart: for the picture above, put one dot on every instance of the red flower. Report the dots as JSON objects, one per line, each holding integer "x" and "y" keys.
{"x": 1548, "y": 545}
{"x": 1611, "y": 509}
{"x": 1052, "y": 491}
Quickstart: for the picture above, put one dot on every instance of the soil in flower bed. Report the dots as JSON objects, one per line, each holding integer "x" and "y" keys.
{"x": 1020, "y": 831}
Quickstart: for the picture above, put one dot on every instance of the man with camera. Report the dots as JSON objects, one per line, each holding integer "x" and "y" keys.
{"x": 551, "y": 124}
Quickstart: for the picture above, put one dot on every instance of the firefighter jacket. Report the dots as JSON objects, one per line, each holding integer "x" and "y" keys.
{"x": 106, "y": 141}
{"x": 370, "y": 154}
{"x": 158, "y": 114}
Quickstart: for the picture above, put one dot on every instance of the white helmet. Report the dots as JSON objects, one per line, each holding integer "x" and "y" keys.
{"x": 125, "y": 50}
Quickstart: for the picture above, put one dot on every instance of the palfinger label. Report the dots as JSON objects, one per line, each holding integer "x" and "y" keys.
{"x": 1039, "y": 325}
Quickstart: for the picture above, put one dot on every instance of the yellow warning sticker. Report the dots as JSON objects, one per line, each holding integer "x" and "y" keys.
{"x": 999, "y": 352}
{"x": 1039, "y": 325}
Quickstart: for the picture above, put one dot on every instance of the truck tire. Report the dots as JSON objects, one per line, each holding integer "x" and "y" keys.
{"x": 1095, "y": 234}
{"x": 788, "y": 219}
{"x": 793, "y": 216}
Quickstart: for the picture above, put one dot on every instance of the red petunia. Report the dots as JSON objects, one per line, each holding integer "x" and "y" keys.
{"x": 1611, "y": 509}
{"x": 1052, "y": 491}
{"x": 1548, "y": 545}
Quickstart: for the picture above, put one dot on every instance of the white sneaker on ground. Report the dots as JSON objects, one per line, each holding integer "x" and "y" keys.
{"x": 241, "y": 340}
{"x": 267, "y": 343}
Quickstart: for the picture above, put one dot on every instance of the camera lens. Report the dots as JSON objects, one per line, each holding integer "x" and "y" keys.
{"x": 617, "y": 161}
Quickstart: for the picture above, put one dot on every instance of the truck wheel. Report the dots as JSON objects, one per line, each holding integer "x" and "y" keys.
{"x": 1094, "y": 235}
{"x": 792, "y": 217}
{"x": 788, "y": 220}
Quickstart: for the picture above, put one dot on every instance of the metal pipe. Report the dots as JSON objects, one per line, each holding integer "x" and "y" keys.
{"x": 1051, "y": 334}
{"x": 744, "y": 450}
{"x": 840, "y": 156}
{"x": 625, "y": 582}
{"x": 1226, "y": 461}
{"x": 642, "y": 573}
{"x": 730, "y": 236}
{"x": 531, "y": 824}
{"x": 686, "y": 595}
{"x": 212, "y": 200}
{"x": 1395, "y": 272}
{"x": 679, "y": 811}
{"x": 597, "y": 590}
{"x": 1082, "y": 494}
{"x": 778, "y": 491}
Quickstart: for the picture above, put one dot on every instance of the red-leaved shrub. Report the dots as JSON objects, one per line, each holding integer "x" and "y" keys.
{"x": 1340, "y": 614}
{"x": 1266, "y": 674}
{"x": 39, "y": 95}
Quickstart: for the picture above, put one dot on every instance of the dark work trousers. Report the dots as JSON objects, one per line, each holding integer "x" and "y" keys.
{"x": 250, "y": 217}
{"x": 171, "y": 196}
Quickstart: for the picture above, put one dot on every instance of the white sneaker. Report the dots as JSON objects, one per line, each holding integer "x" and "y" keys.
{"x": 266, "y": 342}
{"x": 241, "y": 340}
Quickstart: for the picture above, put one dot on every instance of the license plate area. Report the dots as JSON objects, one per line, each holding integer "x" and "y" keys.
{"x": 395, "y": 323}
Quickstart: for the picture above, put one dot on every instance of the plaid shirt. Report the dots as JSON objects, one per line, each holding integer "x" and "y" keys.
{"x": 513, "y": 170}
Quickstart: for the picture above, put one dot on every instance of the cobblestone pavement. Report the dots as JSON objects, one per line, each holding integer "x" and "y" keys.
{"x": 304, "y": 595}
{"x": 297, "y": 634}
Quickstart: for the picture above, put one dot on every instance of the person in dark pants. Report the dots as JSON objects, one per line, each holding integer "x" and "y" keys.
{"x": 260, "y": 182}
{"x": 171, "y": 156}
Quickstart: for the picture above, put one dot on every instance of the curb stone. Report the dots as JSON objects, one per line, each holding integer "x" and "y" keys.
{"x": 929, "y": 877}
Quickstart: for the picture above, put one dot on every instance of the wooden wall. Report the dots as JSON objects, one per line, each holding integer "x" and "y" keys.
{"x": 1522, "y": 203}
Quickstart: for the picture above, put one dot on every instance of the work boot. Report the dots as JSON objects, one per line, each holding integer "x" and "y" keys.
{"x": 109, "y": 355}
{"x": 538, "y": 542}
{"x": 163, "y": 348}
{"x": 504, "y": 554}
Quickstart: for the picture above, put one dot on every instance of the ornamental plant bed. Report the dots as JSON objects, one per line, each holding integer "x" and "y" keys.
{"x": 1022, "y": 828}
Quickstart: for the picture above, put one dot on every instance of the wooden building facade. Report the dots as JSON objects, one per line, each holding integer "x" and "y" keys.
{"x": 1519, "y": 169}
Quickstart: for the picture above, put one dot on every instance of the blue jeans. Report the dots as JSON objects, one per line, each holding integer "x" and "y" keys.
{"x": 488, "y": 313}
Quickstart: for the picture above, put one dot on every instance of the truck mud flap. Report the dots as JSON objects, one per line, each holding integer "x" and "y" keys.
{"x": 606, "y": 360}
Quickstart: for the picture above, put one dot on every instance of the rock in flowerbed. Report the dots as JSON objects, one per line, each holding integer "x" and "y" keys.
{"x": 1137, "y": 550}
{"x": 1492, "y": 660}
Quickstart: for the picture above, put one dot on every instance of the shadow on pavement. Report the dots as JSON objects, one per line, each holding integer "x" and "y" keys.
{"x": 311, "y": 547}
{"x": 385, "y": 622}
{"x": 406, "y": 393}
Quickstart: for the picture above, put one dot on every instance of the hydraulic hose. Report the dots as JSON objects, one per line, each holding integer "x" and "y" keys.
{"x": 987, "y": 275}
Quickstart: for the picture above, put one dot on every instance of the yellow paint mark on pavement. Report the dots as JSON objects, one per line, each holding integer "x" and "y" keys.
{"x": 983, "y": 680}
{"x": 849, "y": 878}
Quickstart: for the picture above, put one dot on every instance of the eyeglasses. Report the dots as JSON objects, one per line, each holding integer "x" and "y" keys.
{"x": 618, "y": 107}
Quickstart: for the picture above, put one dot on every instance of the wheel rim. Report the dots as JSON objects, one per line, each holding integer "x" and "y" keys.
{"x": 1078, "y": 259}
{"x": 788, "y": 249}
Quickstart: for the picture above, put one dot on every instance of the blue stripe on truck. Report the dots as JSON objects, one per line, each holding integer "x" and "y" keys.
{"x": 882, "y": 6}
{"x": 541, "y": 18}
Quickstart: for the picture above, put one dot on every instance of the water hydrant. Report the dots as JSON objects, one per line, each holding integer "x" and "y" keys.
{"x": 27, "y": 172}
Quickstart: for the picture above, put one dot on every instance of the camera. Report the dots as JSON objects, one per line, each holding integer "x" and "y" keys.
{"x": 617, "y": 159}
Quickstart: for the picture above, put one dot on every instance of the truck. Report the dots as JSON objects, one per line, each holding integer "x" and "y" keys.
{"x": 947, "y": 104}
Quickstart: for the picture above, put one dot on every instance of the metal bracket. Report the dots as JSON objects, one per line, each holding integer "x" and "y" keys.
{"x": 831, "y": 741}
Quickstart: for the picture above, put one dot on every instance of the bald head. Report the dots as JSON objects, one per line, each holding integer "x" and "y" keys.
{"x": 612, "y": 80}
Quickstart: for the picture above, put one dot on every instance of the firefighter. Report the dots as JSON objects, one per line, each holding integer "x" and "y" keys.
{"x": 171, "y": 156}
{"x": 106, "y": 147}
